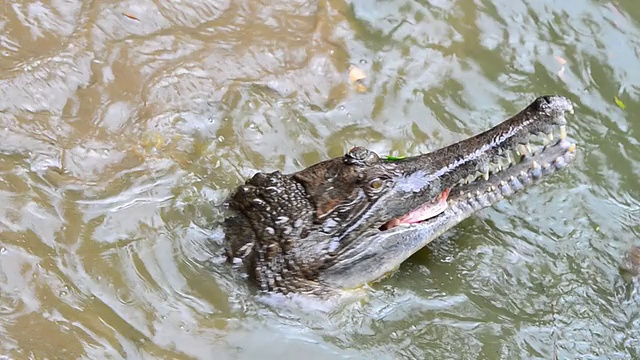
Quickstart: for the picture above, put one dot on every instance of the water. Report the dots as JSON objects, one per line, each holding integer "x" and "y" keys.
{"x": 124, "y": 124}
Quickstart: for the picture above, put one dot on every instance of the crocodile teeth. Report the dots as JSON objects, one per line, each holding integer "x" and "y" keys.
{"x": 572, "y": 148}
{"x": 550, "y": 136}
{"x": 524, "y": 150}
{"x": 509, "y": 157}
{"x": 535, "y": 165}
{"x": 563, "y": 132}
{"x": 485, "y": 175}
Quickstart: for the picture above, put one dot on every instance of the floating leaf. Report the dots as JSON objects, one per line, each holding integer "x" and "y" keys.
{"x": 620, "y": 104}
{"x": 395, "y": 158}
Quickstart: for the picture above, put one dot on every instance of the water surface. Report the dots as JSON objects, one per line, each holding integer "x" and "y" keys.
{"x": 126, "y": 123}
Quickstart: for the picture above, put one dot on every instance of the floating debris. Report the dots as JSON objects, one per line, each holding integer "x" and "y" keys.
{"x": 619, "y": 102}
{"x": 394, "y": 158}
{"x": 356, "y": 77}
{"x": 562, "y": 61}
{"x": 131, "y": 16}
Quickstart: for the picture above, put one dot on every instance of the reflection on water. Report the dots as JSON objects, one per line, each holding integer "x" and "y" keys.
{"x": 124, "y": 125}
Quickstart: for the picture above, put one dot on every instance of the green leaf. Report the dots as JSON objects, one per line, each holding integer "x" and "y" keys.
{"x": 395, "y": 158}
{"x": 620, "y": 104}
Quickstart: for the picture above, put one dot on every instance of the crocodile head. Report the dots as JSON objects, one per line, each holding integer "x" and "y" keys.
{"x": 348, "y": 221}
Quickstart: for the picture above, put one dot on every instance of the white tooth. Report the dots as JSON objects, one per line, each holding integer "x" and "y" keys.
{"x": 563, "y": 132}
{"x": 486, "y": 175}
{"x": 535, "y": 165}
{"x": 522, "y": 149}
{"x": 529, "y": 149}
{"x": 502, "y": 183}
{"x": 550, "y": 136}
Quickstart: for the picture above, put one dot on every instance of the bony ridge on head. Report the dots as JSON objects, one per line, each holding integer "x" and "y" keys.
{"x": 361, "y": 156}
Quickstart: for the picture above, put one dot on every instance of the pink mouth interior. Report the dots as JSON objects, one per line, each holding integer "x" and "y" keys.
{"x": 426, "y": 211}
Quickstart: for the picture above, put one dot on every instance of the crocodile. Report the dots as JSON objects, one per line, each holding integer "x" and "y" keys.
{"x": 349, "y": 221}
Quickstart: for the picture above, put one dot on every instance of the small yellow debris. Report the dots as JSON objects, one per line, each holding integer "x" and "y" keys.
{"x": 356, "y": 74}
{"x": 360, "y": 87}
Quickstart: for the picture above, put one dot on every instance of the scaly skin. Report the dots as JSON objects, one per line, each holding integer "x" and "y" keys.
{"x": 320, "y": 230}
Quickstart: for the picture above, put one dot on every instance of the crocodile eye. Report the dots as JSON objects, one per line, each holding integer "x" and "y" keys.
{"x": 375, "y": 184}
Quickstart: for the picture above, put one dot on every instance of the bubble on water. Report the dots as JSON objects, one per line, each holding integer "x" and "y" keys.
{"x": 341, "y": 107}
{"x": 124, "y": 296}
{"x": 363, "y": 61}
{"x": 3, "y": 250}
{"x": 220, "y": 138}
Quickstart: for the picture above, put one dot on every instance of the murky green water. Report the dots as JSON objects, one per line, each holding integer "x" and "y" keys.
{"x": 124, "y": 124}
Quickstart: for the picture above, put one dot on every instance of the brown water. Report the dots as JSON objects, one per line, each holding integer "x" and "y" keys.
{"x": 125, "y": 123}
